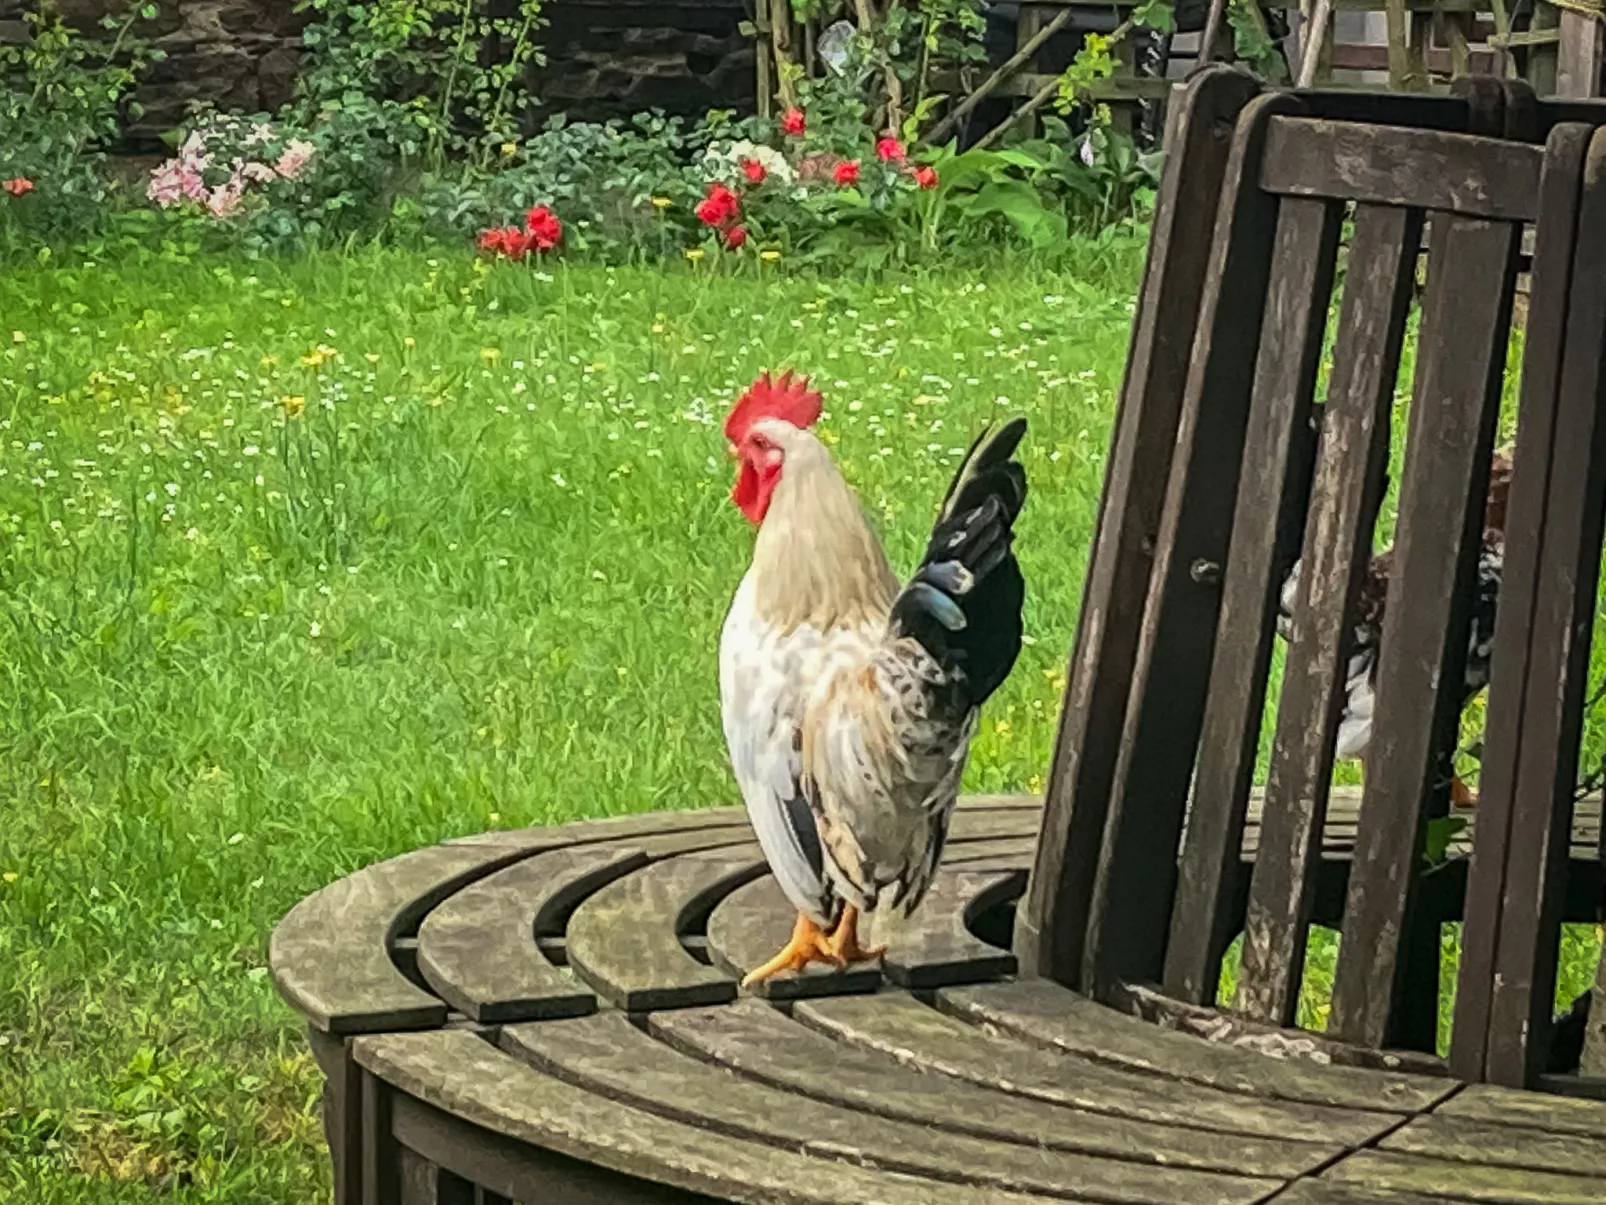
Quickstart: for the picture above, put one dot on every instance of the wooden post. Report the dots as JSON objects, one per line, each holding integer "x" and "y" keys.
{"x": 1408, "y": 69}
{"x": 781, "y": 39}
{"x": 1314, "y": 42}
{"x": 1542, "y": 58}
{"x": 1578, "y": 57}
{"x": 765, "y": 83}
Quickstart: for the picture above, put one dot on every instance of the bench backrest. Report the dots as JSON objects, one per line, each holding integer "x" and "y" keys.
{"x": 1224, "y": 469}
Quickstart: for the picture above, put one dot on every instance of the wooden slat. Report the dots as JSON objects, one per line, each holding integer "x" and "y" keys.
{"x": 611, "y": 828}
{"x": 1015, "y": 851}
{"x": 625, "y": 939}
{"x": 748, "y": 926}
{"x": 1323, "y": 1192}
{"x": 478, "y": 949}
{"x": 330, "y": 954}
{"x": 1352, "y": 456}
{"x": 1050, "y": 1016}
{"x": 1466, "y": 1182}
{"x": 1458, "y": 1140}
{"x": 935, "y": 947}
{"x": 1051, "y": 926}
{"x": 610, "y": 1056}
{"x": 1421, "y": 169}
{"x": 1267, "y": 522}
{"x": 1131, "y": 907}
{"x": 764, "y": 1045}
{"x": 1455, "y": 405}
{"x": 1272, "y": 1041}
{"x": 1512, "y": 670}
{"x": 897, "y": 1024}
{"x": 462, "y": 1074}
{"x": 422, "y": 1183}
{"x": 1507, "y": 1106}
{"x": 1552, "y": 724}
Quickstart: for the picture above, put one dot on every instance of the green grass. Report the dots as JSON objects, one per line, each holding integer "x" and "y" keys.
{"x": 304, "y": 564}
{"x": 469, "y": 575}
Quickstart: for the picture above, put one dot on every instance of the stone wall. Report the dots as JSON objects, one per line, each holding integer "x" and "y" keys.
{"x": 605, "y": 58}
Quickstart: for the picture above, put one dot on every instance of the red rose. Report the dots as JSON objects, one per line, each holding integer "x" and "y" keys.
{"x": 889, "y": 150}
{"x": 754, "y": 170}
{"x": 847, "y": 173}
{"x": 926, "y": 176}
{"x": 543, "y": 228}
{"x": 17, "y": 186}
{"x": 720, "y": 206}
{"x": 736, "y": 237}
{"x": 792, "y": 122}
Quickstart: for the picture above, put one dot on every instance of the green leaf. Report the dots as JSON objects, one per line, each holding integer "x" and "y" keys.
{"x": 1440, "y": 833}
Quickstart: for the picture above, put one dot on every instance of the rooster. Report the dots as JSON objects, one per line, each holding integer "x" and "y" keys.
{"x": 849, "y": 702}
{"x": 1360, "y": 686}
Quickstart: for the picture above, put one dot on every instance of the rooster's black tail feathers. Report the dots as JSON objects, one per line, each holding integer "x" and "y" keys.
{"x": 964, "y": 602}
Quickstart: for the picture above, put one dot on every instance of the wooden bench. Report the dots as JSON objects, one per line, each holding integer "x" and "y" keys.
{"x": 551, "y": 1015}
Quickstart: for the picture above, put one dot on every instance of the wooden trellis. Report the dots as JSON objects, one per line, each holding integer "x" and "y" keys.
{"x": 1422, "y": 46}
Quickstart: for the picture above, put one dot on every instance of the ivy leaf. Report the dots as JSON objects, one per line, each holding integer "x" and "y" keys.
{"x": 1440, "y": 833}
{"x": 1158, "y": 15}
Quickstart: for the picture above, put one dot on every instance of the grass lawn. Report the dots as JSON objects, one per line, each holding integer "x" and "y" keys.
{"x": 305, "y": 564}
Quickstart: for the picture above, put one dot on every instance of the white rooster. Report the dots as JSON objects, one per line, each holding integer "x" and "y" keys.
{"x": 849, "y": 703}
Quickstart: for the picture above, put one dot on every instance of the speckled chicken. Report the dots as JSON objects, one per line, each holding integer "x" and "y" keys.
{"x": 849, "y": 701}
{"x": 1355, "y": 721}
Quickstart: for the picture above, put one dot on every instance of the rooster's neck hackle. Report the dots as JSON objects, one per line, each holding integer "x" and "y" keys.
{"x": 817, "y": 563}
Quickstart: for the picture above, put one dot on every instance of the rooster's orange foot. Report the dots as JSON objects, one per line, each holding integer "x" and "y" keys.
{"x": 844, "y": 940}
{"x": 809, "y": 944}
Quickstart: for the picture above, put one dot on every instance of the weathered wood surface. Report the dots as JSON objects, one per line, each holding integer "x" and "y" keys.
{"x": 993, "y": 1091}
{"x": 1460, "y": 367}
{"x": 617, "y": 1060}
{"x": 1268, "y": 521}
{"x": 1420, "y": 169}
{"x": 1345, "y": 493}
{"x": 764, "y": 1045}
{"x": 331, "y": 954}
{"x": 1051, "y": 927}
{"x": 1045, "y": 1014}
{"x": 479, "y": 950}
{"x": 1552, "y": 719}
{"x": 625, "y": 939}
{"x": 468, "y": 1078}
{"x": 1131, "y": 908}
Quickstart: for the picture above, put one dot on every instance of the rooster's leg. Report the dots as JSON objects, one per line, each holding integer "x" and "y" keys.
{"x": 1460, "y": 794}
{"x": 809, "y": 944}
{"x": 844, "y": 940}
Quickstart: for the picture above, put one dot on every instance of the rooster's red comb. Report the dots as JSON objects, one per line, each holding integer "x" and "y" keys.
{"x": 788, "y": 398}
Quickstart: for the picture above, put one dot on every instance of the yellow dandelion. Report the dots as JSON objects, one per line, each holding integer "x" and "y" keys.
{"x": 657, "y": 328}
{"x": 490, "y": 354}
{"x": 661, "y": 202}
{"x": 407, "y": 341}
{"x": 1001, "y": 727}
{"x": 371, "y": 357}
{"x": 694, "y": 254}
{"x": 18, "y": 337}
{"x": 1034, "y": 784}
{"x": 293, "y": 404}
{"x": 769, "y": 255}
{"x": 318, "y": 356}
{"x": 510, "y": 148}
{"x": 10, "y": 876}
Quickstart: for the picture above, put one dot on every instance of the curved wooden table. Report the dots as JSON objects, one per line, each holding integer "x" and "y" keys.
{"x": 551, "y": 1015}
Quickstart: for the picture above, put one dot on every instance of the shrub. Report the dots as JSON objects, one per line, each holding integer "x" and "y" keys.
{"x": 62, "y": 100}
